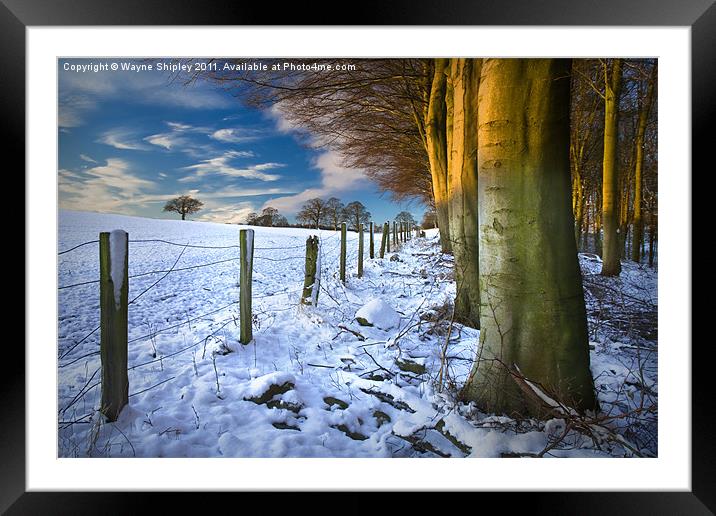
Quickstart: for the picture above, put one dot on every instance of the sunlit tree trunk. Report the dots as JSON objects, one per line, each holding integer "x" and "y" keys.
{"x": 436, "y": 145}
{"x": 638, "y": 234}
{"x": 611, "y": 264}
{"x": 532, "y": 312}
{"x": 462, "y": 186}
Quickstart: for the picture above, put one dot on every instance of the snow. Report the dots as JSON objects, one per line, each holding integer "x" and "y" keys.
{"x": 380, "y": 314}
{"x": 191, "y": 385}
{"x": 117, "y": 248}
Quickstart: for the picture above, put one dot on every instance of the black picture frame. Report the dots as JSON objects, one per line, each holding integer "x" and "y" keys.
{"x": 700, "y": 15}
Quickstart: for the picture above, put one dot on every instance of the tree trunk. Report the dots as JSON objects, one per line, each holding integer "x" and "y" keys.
{"x": 436, "y": 146}
{"x": 183, "y": 216}
{"x": 611, "y": 264}
{"x": 638, "y": 234}
{"x": 578, "y": 200}
{"x": 532, "y": 314}
{"x": 462, "y": 186}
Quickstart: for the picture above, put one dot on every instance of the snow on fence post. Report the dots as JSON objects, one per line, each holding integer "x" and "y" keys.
{"x": 371, "y": 244}
{"x": 246, "y": 260}
{"x": 360, "y": 250}
{"x": 113, "y": 306}
{"x": 312, "y": 281}
{"x": 384, "y": 239}
{"x": 343, "y": 252}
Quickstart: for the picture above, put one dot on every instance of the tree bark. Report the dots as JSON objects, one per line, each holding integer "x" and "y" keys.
{"x": 436, "y": 146}
{"x": 611, "y": 264}
{"x": 462, "y": 186}
{"x": 638, "y": 234}
{"x": 532, "y": 313}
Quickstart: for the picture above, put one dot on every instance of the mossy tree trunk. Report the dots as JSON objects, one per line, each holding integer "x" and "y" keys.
{"x": 611, "y": 252}
{"x": 464, "y": 80}
{"x": 436, "y": 135}
{"x": 532, "y": 314}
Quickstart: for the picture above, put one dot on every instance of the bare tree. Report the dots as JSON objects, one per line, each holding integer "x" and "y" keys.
{"x": 184, "y": 205}
{"x": 405, "y": 217}
{"x": 356, "y": 214}
{"x": 334, "y": 212}
{"x": 312, "y": 212}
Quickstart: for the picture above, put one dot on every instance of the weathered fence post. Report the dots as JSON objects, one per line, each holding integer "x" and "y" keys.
{"x": 113, "y": 306}
{"x": 360, "y": 250}
{"x": 246, "y": 260}
{"x": 387, "y": 240}
{"x": 312, "y": 281}
{"x": 372, "y": 248}
{"x": 343, "y": 252}
{"x": 395, "y": 235}
{"x": 384, "y": 239}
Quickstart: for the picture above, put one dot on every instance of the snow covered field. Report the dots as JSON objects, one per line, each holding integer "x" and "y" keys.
{"x": 316, "y": 383}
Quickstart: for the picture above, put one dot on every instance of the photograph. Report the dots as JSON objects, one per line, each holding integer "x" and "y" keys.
{"x": 323, "y": 257}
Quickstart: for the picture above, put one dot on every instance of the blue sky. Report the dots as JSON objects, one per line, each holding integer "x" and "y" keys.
{"x": 129, "y": 141}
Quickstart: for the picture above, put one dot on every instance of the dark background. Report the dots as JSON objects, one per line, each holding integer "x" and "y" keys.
{"x": 16, "y": 15}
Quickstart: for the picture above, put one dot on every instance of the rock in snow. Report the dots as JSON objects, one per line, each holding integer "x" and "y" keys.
{"x": 378, "y": 313}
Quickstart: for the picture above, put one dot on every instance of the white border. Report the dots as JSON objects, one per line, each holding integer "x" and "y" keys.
{"x": 670, "y": 471}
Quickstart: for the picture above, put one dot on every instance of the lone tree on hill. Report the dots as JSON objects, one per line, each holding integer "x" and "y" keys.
{"x": 184, "y": 205}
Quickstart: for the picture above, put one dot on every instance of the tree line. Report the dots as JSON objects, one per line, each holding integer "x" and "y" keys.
{"x": 520, "y": 162}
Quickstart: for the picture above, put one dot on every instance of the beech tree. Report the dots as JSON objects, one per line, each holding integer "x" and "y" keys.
{"x": 611, "y": 253}
{"x": 532, "y": 314}
{"x": 184, "y": 205}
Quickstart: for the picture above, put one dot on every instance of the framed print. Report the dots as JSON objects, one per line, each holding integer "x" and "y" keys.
{"x": 370, "y": 257}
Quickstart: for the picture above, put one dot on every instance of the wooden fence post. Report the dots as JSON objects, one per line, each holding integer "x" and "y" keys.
{"x": 113, "y": 306}
{"x": 343, "y": 252}
{"x": 372, "y": 248}
{"x": 312, "y": 281}
{"x": 384, "y": 239}
{"x": 395, "y": 235}
{"x": 387, "y": 240}
{"x": 360, "y": 250}
{"x": 246, "y": 260}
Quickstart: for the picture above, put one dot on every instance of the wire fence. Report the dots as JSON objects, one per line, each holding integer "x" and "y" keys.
{"x": 67, "y": 356}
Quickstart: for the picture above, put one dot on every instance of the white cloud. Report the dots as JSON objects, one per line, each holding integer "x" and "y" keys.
{"x": 166, "y": 140}
{"x": 104, "y": 188}
{"x": 335, "y": 180}
{"x": 121, "y": 139}
{"x": 231, "y": 214}
{"x": 85, "y": 157}
{"x": 235, "y": 135}
{"x": 177, "y": 126}
{"x": 221, "y": 165}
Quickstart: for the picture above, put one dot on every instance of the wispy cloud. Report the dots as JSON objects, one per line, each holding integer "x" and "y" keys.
{"x": 222, "y": 165}
{"x": 72, "y": 109}
{"x": 85, "y": 157}
{"x": 335, "y": 180}
{"x": 235, "y": 135}
{"x": 123, "y": 139}
{"x": 105, "y": 188}
{"x": 230, "y": 214}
